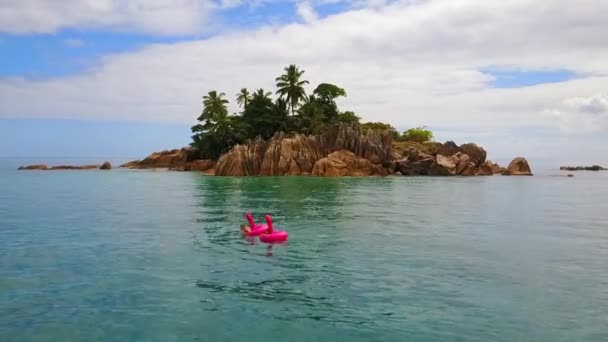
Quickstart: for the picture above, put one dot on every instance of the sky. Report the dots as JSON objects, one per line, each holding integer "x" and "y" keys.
{"x": 126, "y": 77}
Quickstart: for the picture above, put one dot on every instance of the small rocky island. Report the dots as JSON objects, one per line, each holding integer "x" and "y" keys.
{"x": 104, "y": 166}
{"x": 583, "y": 168}
{"x": 343, "y": 151}
{"x": 300, "y": 134}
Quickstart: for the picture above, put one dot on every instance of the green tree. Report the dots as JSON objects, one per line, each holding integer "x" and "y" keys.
{"x": 243, "y": 98}
{"x": 377, "y": 126}
{"x": 326, "y": 95}
{"x": 213, "y": 104}
{"x": 418, "y": 134}
{"x": 280, "y": 110}
{"x": 348, "y": 117}
{"x": 290, "y": 87}
{"x": 260, "y": 116}
{"x": 311, "y": 119}
{"x": 218, "y": 131}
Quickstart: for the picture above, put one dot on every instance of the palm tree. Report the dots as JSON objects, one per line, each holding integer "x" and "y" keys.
{"x": 261, "y": 94}
{"x": 290, "y": 86}
{"x": 281, "y": 113}
{"x": 243, "y": 98}
{"x": 215, "y": 105}
{"x": 311, "y": 117}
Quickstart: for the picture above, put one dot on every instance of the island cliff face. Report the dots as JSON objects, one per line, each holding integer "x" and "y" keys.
{"x": 370, "y": 154}
{"x": 346, "y": 151}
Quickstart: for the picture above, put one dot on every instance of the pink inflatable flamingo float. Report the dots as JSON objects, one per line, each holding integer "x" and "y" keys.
{"x": 256, "y": 229}
{"x": 273, "y": 236}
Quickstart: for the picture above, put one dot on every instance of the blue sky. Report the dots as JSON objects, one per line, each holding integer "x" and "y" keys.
{"x": 131, "y": 73}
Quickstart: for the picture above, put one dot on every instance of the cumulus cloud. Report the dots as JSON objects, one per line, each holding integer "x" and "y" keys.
{"x": 167, "y": 17}
{"x": 406, "y": 62}
{"x": 582, "y": 114}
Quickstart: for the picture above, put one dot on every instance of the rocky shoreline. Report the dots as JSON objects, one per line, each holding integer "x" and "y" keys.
{"x": 343, "y": 150}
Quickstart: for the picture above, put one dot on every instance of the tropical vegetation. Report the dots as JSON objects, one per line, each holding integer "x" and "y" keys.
{"x": 293, "y": 111}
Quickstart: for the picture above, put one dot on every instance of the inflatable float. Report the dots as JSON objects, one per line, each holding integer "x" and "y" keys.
{"x": 256, "y": 229}
{"x": 273, "y": 236}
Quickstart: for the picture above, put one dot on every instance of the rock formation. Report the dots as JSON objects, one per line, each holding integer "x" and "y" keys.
{"x": 282, "y": 155}
{"x": 346, "y": 163}
{"x": 518, "y": 167}
{"x": 343, "y": 150}
{"x": 58, "y": 167}
{"x": 446, "y": 159}
{"x": 177, "y": 158}
{"x": 106, "y": 166}
{"x": 34, "y": 167}
{"x": 583, "y": 168}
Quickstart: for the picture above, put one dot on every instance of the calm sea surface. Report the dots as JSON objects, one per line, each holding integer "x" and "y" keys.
{"x": 157, "y": 256}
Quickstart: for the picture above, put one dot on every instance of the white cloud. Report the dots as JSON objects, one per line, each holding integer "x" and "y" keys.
{"x": 306, "y": 12}
{"x": 582, "y": 114}
{"x": 404, "y": 64}
{"x": 170, "y": 17}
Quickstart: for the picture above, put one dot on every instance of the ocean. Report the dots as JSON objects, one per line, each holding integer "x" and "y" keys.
{"x": 157, "y": 256}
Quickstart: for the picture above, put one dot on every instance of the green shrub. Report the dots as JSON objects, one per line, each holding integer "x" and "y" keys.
{"x": 419, "y": 134}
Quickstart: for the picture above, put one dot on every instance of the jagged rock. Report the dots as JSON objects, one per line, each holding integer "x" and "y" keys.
{"x": 297, "y": 155}
{"x": 485, "y": 169}
{"x": 197, "y": 165}
{"x": 457, "y": 164}
{"x": 291, "y": 156}
{"x": 465, "y": 166}
{"x": 417, "y": 168}
{"x": 449, "y": 148}
{"x": 476, "y": 153}
{"x": 447, "y": 163}
{"x": 200, "y": 165}
{"x": 106, "y": 166}
{"x": 496, "y": 169}
{"x": 165, "y": 159}
{"x": 437, "y": 169}
{"x": 242, "y": 160}
{"x": 346, "y": 163}
{"x": 469, "y": 170}
{"x": 518, "y": 167}
{"x": 34, "y": 167}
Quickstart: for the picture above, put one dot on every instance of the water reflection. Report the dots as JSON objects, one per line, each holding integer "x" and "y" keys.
{"x": 285, "y": 275}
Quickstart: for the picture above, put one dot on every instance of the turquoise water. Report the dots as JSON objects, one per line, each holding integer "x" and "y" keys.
{"x": 157, "y": 256}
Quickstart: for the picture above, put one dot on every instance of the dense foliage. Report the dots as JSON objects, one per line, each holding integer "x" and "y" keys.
{"x": 292, "y": 112}
{"x": 419, "y": 134}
